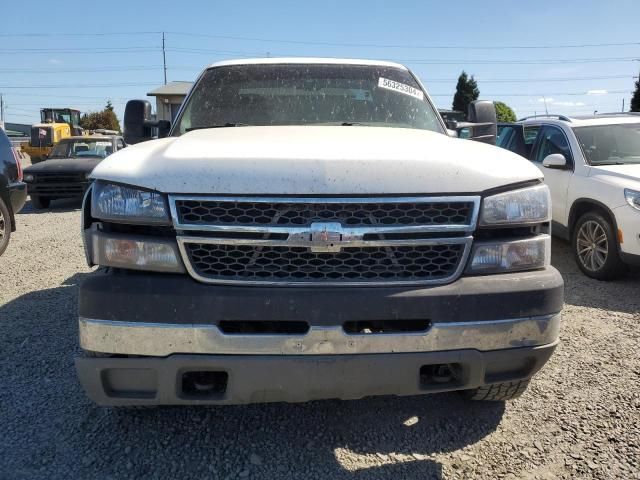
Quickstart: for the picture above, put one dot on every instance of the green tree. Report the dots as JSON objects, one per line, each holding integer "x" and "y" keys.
{"x": 504, "y": 112}
{"x": 106, "y": 119}
{"x": 635, "y": 100}
{"x": 466, "y": 92}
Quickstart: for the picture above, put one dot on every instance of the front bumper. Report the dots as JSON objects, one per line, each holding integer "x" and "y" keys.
{"x": 489, "y": 329}
{"x": 628, "y": 221}
{"x": 244, "y": 379}
{"x": 17, "y": 196}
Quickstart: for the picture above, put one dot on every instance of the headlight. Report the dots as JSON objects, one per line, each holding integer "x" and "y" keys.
{"x": 135, "y": 252}
{"x": 28, "y": 177}
{"x": 510, "y": 256}
{"x": 632, "y": 196}
{"x": 129, "y": 205}
{"x": 524, "y": 206}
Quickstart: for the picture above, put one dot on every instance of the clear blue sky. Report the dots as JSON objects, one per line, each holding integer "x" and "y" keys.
{"x": 573, "y": 80}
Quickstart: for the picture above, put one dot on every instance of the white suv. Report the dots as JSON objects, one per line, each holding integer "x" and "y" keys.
{"x": 592, "y": 167}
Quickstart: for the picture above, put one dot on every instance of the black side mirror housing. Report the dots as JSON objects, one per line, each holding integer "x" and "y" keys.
{"x": 138, "y": 123}
{"x": 482, "y": 116}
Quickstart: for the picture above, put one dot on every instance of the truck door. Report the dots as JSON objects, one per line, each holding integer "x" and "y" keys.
{"x": 552, "y": 139}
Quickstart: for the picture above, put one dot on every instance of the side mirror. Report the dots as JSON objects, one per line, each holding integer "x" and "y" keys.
{"x": 482, "y": 114}
{"x": 138, "y": 123}
{"x": 555, "y": 160}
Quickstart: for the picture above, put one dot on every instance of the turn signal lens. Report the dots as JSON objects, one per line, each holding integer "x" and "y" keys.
{"x": 511, "y": 256}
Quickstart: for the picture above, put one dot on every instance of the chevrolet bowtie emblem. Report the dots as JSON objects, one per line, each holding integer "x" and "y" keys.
{"x": 325, "y": 237}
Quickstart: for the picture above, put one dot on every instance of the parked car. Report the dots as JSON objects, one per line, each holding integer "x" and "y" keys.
{"x": 592, "y": 167}
{"x": 309, "y": 230}
{"x": 13, "y": 191}
{"x": 65, "y": 173}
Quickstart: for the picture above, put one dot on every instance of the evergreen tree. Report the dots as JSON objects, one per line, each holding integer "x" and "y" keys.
{"x": 466, "y": 92}
{"x": 635, "y": 100}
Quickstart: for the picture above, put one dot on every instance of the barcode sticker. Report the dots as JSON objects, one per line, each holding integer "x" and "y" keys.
{"x": 400, "y": 87}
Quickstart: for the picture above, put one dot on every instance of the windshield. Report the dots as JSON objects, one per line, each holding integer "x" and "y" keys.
{"x": 610, "y": 144}
{"x": 307, "y": 95}
{"x": 82, "y": 148}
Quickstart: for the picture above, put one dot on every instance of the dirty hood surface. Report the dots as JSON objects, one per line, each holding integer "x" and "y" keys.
{"x": 315, "y": 160}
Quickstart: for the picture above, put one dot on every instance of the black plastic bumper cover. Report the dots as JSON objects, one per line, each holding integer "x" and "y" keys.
{"x": 274, "y": 378}
{"x": 178, "y": 299}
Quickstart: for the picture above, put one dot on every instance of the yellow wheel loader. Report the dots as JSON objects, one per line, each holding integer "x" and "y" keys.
{"x": 55, "y": 124}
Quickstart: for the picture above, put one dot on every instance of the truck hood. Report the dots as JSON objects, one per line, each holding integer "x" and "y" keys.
{"x": 64, "y": 165}
{"x": 315, "y": 160}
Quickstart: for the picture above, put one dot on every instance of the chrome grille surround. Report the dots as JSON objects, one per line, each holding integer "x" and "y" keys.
{"x": 328, "y": 253}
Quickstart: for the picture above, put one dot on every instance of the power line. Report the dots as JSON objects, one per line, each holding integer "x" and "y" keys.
{"x": 438, "y": 61}
{"x": 103, "y": 85}
{"x": 65, "y": 34}
{"x": 496, "y": 95}
{"x": 80, "y": 70}
{"x": 103, "y": 97}
{"x": 321, "y": 43}
{"x": 407, "y": 46}
{"x": 531, "y": 80}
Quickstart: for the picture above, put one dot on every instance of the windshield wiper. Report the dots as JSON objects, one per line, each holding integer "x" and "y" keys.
{"x": 351, "y": 124}
{"x": 221, "y": 125}
{"x": 600, "y": 164}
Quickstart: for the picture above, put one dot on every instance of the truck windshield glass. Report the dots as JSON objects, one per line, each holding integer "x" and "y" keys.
{"x": 82, "y": 148}
{"x": 307, "y": 95}
{"x": 610, "y": 144}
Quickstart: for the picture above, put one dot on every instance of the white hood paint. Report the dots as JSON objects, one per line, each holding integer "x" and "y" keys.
{"x": 625, "y": 175}
{"x": 315, "y": 160}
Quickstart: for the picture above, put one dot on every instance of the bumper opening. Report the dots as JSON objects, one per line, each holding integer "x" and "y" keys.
{"x": 139, "y": 383}
{"x": 263, "y": 327}
{"x": 442, "y": 375}
{"x": 386, "y": 326}
{"x": 204, "y": 384}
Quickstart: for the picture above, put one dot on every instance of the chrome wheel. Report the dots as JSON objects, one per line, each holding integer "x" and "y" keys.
{"x": 592, "y": 245}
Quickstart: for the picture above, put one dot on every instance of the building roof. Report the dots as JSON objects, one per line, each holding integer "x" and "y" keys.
{"x": 307, "y": 60}
{"x": 172, "y": 88}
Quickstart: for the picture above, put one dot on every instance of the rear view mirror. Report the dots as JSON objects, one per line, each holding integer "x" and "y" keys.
{"x": 555, "y": 160}
{"x": 139, "y": 124}
{"x": 482, "y": 125}
{"x": 482, "y": 113}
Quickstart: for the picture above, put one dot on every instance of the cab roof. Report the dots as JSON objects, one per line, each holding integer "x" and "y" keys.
{"x": 306, "y": 60}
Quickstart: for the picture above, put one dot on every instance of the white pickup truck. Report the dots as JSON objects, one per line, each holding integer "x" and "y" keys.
{"x": 310, "y": 229}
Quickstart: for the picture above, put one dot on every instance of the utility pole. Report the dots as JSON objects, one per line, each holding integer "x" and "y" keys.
{"x": 164, "y": 60}
{"x": 1, "y": 110}
{"x": 622, "y": 105}
{"x": 545, "y": 105}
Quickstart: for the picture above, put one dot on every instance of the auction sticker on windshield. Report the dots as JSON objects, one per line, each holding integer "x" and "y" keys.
{"x": 400, "y": 87}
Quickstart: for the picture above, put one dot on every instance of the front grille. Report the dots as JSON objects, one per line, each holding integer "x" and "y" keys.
{"x": 40, "y": 140}
{"x": 325, "y": 241}
{"x": 58, "y": 184}
{"x": 298, "y": 264}
{"x": 352, "y": 214}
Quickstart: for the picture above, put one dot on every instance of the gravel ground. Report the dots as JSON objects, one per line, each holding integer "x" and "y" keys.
{"x": 579, "y": 419}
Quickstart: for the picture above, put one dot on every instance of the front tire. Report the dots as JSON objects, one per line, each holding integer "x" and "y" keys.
{"x": 498, "y": 392}
{"x": 595, "y": 247}
{"x": 5, "y": 226}
{"x": 40, "y": 202}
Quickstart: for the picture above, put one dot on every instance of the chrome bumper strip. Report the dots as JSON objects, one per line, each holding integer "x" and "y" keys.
{"x": 157, "y": 339}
